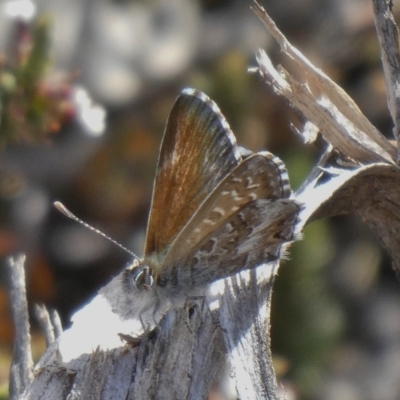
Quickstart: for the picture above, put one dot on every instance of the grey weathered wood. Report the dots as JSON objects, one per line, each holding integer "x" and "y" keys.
{"x": 22, "y": 363}
{"x": 322, "y": 102}
{"x": 183, "y": 357}
{"x": 55, "y": 321}
{"x": 43, "y": 317}
{"x": 388, "y": 36}
{"x": 369, "y": 188}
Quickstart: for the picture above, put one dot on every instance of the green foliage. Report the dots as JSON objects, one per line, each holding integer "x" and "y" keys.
{"x": 31, "y": 104}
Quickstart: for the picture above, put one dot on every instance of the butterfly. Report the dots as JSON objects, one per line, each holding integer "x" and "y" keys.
{"x": 215, "y": 210}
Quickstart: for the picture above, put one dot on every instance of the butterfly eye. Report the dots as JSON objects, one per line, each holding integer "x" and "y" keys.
{"x": 142, "y": 277}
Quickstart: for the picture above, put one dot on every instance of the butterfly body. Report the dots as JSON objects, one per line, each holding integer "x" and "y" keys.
{"x": 214, "y": 211}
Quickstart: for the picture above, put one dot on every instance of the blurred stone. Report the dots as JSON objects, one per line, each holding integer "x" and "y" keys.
{"x": 117, "y": 47}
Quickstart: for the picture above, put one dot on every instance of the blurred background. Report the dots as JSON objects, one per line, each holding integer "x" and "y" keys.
{"x": 85, "y": 91}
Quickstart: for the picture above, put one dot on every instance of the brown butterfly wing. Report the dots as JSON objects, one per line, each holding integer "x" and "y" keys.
{"x": 197, "y": 152}
{"x": 260, "y": 176}
{"x": 250, "y": 237}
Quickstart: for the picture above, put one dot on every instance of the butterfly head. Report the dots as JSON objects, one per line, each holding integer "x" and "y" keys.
{"x": 141, "y": 276}
{"x": 142, "y": 273}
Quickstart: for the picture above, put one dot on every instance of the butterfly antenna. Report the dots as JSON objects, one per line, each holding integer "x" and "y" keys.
{"x": 60, "y": 207}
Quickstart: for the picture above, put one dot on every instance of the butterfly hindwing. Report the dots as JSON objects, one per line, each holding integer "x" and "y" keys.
{"x": 250, "y": 237}
{"x": 260, "y": 176}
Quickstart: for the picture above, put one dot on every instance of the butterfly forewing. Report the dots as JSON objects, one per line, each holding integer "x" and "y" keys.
{"x": 197, "y": 152}
{"x": 260, "y": 176}
{"x": 250, "y": 237}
